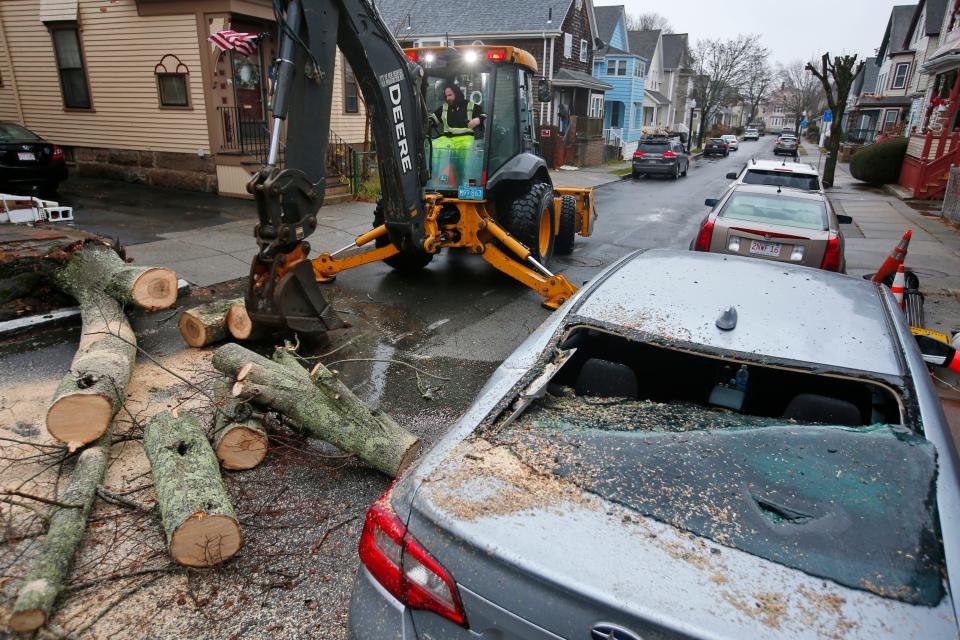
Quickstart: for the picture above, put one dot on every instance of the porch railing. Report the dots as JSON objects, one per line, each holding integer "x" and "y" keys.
{"x": 613, "y": 136}
{"x": 861, "y": 136}
{"x": 244, "y": 135}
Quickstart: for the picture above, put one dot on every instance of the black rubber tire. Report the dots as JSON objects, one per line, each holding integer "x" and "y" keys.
{"x": 685, "y": 169}
{"x": 635, "y": 175}
{"x": 522, "y": 220}
{"x": 407, "y": 261}
{"x": 563, "y": 246}
{"x": 676, "y": 172}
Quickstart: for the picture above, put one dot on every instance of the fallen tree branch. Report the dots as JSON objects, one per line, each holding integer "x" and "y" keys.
{"x": 390, "y": 360}
{"x": 10, "y": 491}
{"x": 49, "y": 569}
{"x": 115, "y": 498}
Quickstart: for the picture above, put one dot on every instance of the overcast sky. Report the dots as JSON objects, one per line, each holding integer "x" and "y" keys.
{"x": 791, "y": 30}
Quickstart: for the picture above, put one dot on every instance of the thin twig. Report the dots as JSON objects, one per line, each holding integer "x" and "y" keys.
{"x": 330, "y": 353}
{"x": 327, "y": 533}
{"x": 79, "y": 631}
{"x": 79, "y": 586}
{"x": 406, "y": 364}
{"x": 117, "y": 499}
{"x": 10, "y": 491}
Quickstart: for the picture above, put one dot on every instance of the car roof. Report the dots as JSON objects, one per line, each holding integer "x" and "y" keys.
{"x": 784, "y": 311}
{"x": 780, "y": 165}
{"x": 771, "y": 189}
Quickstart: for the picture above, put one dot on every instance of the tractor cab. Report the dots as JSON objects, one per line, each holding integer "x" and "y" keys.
{"x": 492, "y": 84}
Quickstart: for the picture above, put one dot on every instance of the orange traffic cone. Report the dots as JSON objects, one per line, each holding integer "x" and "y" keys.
{"x": 899, "y": 284}
{"x": 896, "y": 257}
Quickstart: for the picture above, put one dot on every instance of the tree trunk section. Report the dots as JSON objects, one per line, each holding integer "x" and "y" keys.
{"x": 239, "y": 323}
{"x": 239, "y": 439}
{"x": 205, "y": 324}
{"x": 198, "y": 518}
{"x": 324, "y": 408}
{"x": 44, "y": 580}
{"x": 92, "y": 392}
{"x": 99, "y": 267}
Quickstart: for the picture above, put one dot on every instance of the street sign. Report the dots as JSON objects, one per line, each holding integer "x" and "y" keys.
{"x": 828, "y": 116}
{"x": 544, "y": 133}
{"x": 803, "y": 123}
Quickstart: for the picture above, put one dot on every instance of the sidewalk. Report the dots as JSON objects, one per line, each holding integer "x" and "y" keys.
{"x": 587, "y": 177}
{"x": 879, "y": 221}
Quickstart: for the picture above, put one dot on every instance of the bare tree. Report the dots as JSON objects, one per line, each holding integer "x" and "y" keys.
{"x": 648, "y": 21}
{"x": 836, "y": 77}
{"x": 802, "y": 91}
{"x": 720, "y": 70}
{"x": 757, "y": 86}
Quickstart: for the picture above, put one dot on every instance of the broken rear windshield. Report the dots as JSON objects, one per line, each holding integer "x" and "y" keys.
{"x": 813, "y": 472}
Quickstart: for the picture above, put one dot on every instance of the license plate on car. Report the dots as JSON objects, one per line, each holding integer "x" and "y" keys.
{"x": 765, "y": 248}
{"x": 26, "y": 155}
{"x": 469, "y": 193}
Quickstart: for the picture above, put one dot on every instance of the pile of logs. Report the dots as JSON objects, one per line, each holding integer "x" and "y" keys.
{"x": 195, "y": 510}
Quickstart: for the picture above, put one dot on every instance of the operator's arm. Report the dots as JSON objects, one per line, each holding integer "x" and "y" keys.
{"x": 477, "y": 117}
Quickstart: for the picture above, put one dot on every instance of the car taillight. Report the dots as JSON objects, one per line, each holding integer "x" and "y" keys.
{"x": 638, "y": 154}
{"x": 831, "y": 257}
{"x": 669, "y": 154}
{"x": 704, "y": 237}
{"x": 57, "y": 153}
{"x": 404, "y": 568}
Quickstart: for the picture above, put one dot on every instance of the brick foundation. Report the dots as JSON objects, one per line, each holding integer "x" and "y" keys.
{"x": 158, "y": 168}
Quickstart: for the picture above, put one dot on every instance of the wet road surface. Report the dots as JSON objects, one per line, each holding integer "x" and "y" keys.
{"x": 456, "y": 320}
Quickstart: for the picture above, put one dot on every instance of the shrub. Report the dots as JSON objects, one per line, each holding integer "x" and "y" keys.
{"x": 879, "y": 163}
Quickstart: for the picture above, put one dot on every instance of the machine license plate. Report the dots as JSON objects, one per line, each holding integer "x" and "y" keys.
{"x": 26, "y": 155}
{"x": 765, "y": 248}
{"x": 470, "y": 193}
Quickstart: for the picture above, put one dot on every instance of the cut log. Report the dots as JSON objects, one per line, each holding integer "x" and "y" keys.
{"x": 49, "y": 569}
{"x": 239, "y": 439}
{"x": 239, "y": 323}
{"x": 198, "y": 518}
{"x": 324, "y": 408}
{"x": 205, "y": 324}
{"x": 92, "y": 392}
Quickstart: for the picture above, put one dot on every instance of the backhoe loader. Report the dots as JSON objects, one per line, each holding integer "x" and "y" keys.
{"x": 485, "y": 191}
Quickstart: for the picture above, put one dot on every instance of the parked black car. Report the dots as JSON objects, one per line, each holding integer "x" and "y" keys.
{"x": 661, "y": 156}
{"x": 716, "y": 147}
{"x": 28, "y": 163}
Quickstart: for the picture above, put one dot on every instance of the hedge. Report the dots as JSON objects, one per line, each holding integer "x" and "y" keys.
{"x": 879, "y": 163}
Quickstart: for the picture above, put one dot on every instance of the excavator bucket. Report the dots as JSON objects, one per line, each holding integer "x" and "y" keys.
{"x": 289, "y": 299}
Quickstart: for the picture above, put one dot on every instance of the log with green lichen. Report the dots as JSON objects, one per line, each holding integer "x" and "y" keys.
{"x": 198, "y": 518}
{"x": 324, "y": 407}
{"x": 239, "y": 438}
{"x": 92, "y": 392}
{"x": 49, "y": 569}
{"x": 207, "y": 323}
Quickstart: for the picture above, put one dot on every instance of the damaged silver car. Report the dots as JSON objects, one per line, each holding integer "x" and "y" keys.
{"x": 694, "y": 446}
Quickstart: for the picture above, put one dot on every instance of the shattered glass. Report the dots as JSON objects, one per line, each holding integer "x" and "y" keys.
{"x": 853, "y": 505}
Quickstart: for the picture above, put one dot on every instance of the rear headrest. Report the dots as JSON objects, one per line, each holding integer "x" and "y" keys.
{"x": 606, "y": 379}
{"x": 811, "y": 407}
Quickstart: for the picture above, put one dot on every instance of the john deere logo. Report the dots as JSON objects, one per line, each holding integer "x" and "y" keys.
{"x": 604, "y": 631}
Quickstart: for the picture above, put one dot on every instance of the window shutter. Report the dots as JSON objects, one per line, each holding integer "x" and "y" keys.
{"x": 567, "y": 45}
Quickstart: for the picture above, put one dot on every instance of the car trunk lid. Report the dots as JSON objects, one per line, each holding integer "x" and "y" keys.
{"x": 25, "y": 153}
{"x": 773, "y": 242}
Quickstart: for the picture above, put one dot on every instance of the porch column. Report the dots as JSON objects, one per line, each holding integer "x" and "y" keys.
{"x": 951, "y": 113}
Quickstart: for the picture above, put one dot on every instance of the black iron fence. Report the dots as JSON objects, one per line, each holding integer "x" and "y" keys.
{"x": 243, "y": 133}
{"x": 861, "y": 136}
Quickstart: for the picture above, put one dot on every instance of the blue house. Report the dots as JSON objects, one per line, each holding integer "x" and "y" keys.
{"x": 625, "y": 72}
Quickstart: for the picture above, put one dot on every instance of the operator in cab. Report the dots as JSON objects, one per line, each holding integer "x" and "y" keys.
{"x": 458, "y": 116}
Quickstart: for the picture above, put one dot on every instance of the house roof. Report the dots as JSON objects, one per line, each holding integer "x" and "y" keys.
{"x": 417, "y": 18}
{"x": 868, "y": 102}
{"x": 674, "y": 50}
{"x": 933, "y": 22}
{"x": 656, "y": 96}
{"x": 607, "y": 18}
{"x": 643, "y": 43}
{"x": 571, "y": 78}
{"x": 896, "y": 33}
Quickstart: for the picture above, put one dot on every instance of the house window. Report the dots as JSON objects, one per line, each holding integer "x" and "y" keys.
{"x": 172, "y": 82}
{"x": 351, "y": 103}
{"x": 637, "y": 69}
{"x": 890, "y": 118}
{"x": 567, "y": 45}
{"x": 579, "y": 5}
{"x": 584, "y": 51}
{"x": 73, "y": 75}
{"x": 596, "y": 106}
{"x": 900, "y": 76}
{"x": 778, "y": 108}
{"x": 616, "y": 67}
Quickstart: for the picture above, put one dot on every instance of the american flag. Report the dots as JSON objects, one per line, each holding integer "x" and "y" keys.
{"x": 243, "y": 43}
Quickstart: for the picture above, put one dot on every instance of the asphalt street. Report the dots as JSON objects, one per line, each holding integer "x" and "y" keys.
{"x": 455, "y": 321}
